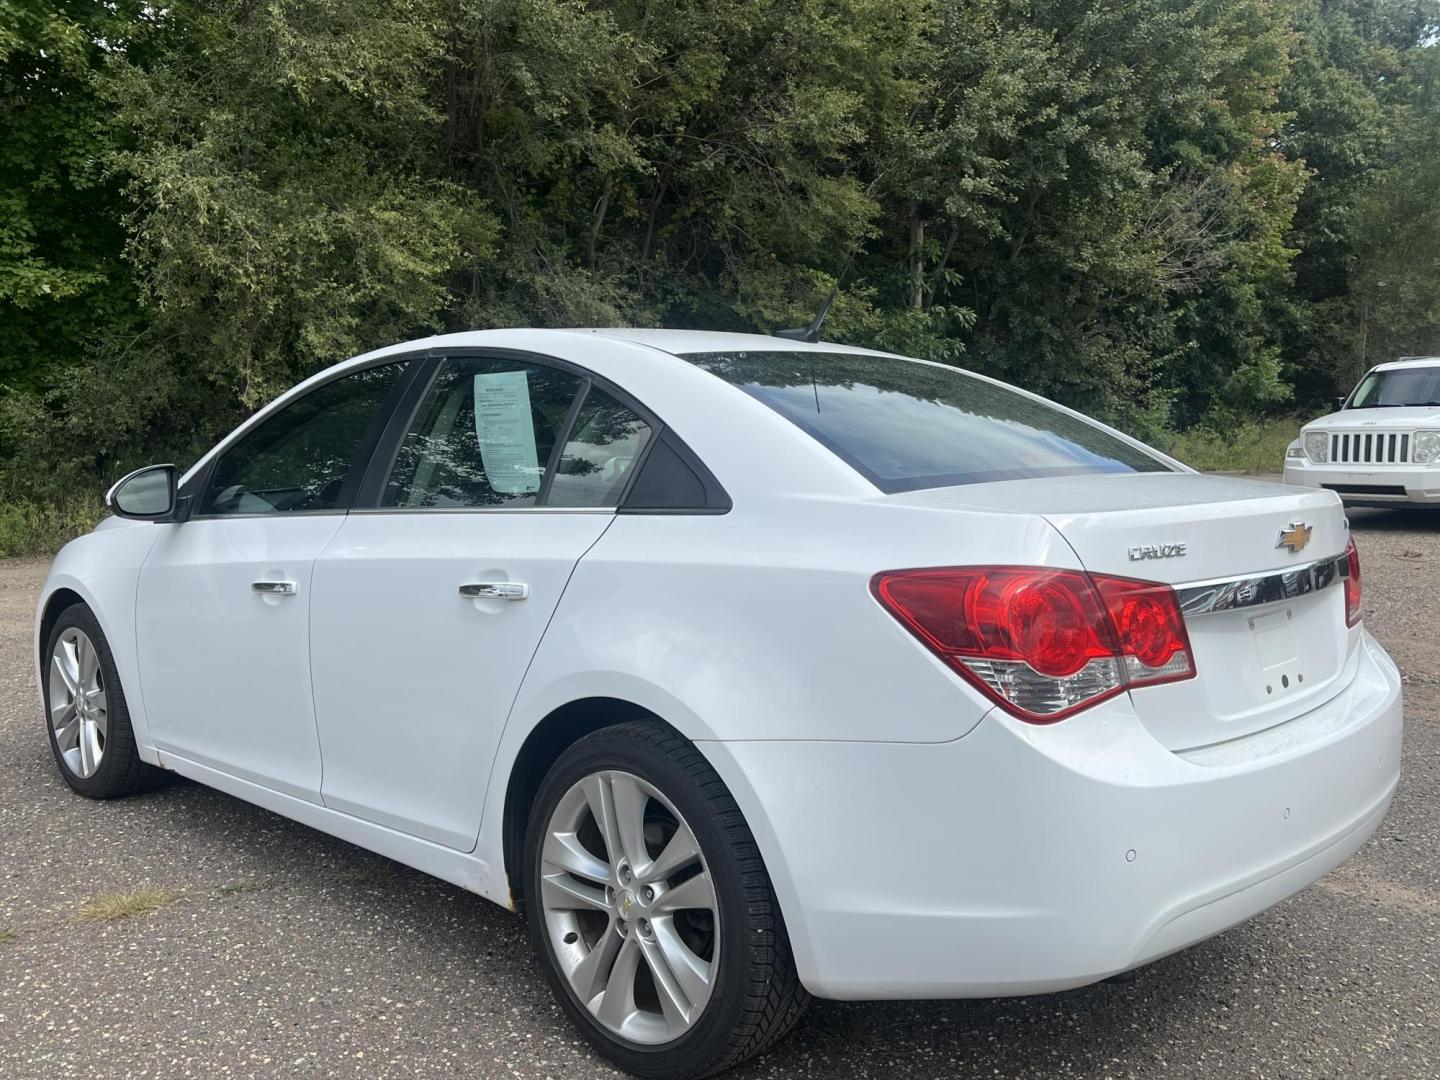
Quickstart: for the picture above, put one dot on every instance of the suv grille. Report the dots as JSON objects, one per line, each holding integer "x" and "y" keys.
{"x": 1370, "y": 448}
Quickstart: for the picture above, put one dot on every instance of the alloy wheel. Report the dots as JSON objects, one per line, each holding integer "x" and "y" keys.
{"x": 79, "y": 711}
{"x": 629, "y": 907}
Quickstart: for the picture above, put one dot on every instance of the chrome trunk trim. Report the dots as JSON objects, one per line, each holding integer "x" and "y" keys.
{"x": 1256, "y": 590}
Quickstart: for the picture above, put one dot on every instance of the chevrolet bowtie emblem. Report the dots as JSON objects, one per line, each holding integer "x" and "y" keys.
{"x": 1295, "y": 537}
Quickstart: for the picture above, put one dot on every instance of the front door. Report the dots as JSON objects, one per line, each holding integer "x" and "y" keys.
{"x": 224, "y": 597}
{"x": 429, "y": 605}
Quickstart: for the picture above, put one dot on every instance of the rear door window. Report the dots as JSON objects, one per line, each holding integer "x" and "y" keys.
{"x": 483, "y": 436}
{"x": 906, "y": 425}
{"x": 600, "y": 454}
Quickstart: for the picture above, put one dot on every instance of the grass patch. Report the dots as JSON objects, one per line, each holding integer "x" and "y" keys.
{"x": 6, "y": 936}
{"x": 123, "y": 905}
{"x": 373, "y": 872}
{"x": 31, "y": 529}
{"x": 240, "y": 888}
{"x": 1253, "y": 447}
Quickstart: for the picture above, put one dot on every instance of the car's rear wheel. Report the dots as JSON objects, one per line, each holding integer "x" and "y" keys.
{"x": 652, "y": 909}
{"x": 86, "y": 715}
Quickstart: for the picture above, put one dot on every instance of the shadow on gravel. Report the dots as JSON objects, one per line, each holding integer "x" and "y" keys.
{"x": 1180, "y": 997}
{"x": 1408, "y": 519}
{"x": 1084, "y": 1032}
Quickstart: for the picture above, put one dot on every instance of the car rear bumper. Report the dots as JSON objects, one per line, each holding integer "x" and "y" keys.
{"x": 1020, "y": 860}
{"x": 1358, "y": 485}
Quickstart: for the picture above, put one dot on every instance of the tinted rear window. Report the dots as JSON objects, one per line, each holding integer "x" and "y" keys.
{"x": 906, "y": 425}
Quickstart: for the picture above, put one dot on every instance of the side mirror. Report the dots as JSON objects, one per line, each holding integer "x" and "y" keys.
{"x": 147, "y": 494}
{"x": 1340, "y": 403}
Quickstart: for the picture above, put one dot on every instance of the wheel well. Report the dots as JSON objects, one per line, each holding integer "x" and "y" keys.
{"x": 59, "y": 600}
{"x": 550, "y": 738}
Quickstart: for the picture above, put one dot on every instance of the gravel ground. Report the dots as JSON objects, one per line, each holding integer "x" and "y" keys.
{"x": 283, "y": 952}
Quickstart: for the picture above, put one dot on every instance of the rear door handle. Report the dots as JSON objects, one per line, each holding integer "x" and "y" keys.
{"x": 495, "y": 590}
{"x": 274, "y": 588}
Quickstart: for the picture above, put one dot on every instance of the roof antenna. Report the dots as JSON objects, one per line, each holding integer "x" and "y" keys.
{"x": 811, "y": 333}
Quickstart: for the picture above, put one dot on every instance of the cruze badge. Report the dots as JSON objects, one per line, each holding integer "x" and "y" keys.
{"x": 1295, "y": 537}
{"x": 1156, "y": 551}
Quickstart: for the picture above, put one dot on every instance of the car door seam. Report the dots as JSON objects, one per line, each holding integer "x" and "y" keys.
{"x": 520, "y": 686}
{"x": 310, "y": 654}
{"x": 135, "y": 637}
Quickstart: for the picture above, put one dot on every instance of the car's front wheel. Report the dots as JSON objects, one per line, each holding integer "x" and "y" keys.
{"x": 86, "y": 716}
{"x": 652, "y": 909}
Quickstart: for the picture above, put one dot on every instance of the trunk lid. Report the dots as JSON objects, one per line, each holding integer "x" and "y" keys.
{"x": 1256, "y": 666}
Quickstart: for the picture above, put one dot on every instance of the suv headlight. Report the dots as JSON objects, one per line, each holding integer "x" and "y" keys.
{"x": 1317, "y": 446}
{"x": 1425, "y": 447}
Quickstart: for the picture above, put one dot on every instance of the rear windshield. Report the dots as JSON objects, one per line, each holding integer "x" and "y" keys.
{"x": 906, "y": 425}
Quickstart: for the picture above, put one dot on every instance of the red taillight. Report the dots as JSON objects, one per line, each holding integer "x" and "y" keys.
{"x": 1352, "y": 585}
{"x": 1042, "y": 643}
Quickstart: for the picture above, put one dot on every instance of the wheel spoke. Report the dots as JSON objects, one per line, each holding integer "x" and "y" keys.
{"x": 100, "y": 710}
{"x": 695, "y": 892}
{"x": 564, "y": 893}
{"x": 679, "y": 853}
{"x": 617, "y": 1004}
{"x": 87, "y": 662}
{"x": 65, "y": 668}
{"x": 692, "y": 973}
{"x": 602, "y": 809}
{"x": 673, "y": 1002}
{"x": 563, "y": 851}
{"x": 629, "y": 802}
{"x": 59, "y": 712}
{"x": 592, "y": 974}
{"x": 88, "y": 748}
{"x": 67, "y": 732}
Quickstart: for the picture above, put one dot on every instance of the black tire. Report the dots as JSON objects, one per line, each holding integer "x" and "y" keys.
{"x": 757, "y": 996}
{"x": 121, "y": 772}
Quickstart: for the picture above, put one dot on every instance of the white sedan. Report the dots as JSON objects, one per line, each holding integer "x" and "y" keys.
{"x": 750, "y": 669}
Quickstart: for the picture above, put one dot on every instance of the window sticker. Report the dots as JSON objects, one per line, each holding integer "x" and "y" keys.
{"x": 505, "y": 430}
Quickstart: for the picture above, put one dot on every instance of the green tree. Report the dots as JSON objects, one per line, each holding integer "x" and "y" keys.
{"x": 1363, "y": 78}
{"x": 1166, "y": 212}
{"x": 62, "y": 278}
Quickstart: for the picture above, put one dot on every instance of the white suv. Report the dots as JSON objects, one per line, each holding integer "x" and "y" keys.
{"x": 1383, "y": 447}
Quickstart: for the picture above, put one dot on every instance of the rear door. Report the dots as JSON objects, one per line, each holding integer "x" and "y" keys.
{"x": 431, "y": 599}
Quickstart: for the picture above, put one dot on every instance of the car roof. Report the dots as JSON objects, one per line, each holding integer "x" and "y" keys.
{"x": 1409, "y": 361}
{"x": 680, "y": 342}
{"x": 626, "y": 356}
{"x": 674, "y": 342}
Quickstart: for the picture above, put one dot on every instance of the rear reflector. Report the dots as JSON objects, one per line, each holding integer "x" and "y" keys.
{"x": 1042, "y": 643}
{"x": 1352, "y": 586}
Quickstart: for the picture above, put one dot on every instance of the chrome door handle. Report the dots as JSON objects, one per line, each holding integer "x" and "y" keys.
{"x": 274, "y": 588}
{"x": 495, "y": 590}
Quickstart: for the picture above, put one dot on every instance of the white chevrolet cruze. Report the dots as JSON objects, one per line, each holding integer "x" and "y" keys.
{"x": 1382, "y": 448}
{"x": 752, "y": 669}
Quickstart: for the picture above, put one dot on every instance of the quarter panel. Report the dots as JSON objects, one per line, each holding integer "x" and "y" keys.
{"x": 761, "y": 622}
{"x": 103, "y": 568}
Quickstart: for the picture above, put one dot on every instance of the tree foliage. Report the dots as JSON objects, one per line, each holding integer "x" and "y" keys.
{"x": 1165, "y": 212}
